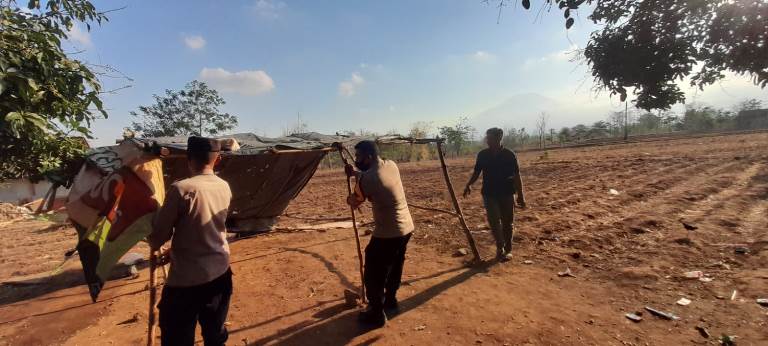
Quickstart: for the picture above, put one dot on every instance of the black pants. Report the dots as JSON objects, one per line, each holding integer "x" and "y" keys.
{"x": 501, "y": 214}
{"x": 384, "y": 258}
{"x": 182, "y": 307}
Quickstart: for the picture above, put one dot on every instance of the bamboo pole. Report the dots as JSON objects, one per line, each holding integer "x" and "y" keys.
{"x": 432, "y": 209}
{"x": 152, "y": 298}
{"x": 354, "y": 226}
{"x": 456, "y": 205}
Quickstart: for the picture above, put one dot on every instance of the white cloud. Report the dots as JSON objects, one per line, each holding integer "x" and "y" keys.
{"x": 194, "y": 42}
{"x": 269, "y": 9}
{"x": 350, "y": 86}
{"x": 79, "y": 36}
{"x": 483, "y": 57}
{"x": 560, "y": 56}
{"x": 246, "y": 82}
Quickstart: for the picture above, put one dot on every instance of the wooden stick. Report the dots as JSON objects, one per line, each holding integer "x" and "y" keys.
{"x": 152, "y": 298}
{"x": 357, "y": 233}
{"x": 432, "y": 209}
{"x": 456, "y": 205}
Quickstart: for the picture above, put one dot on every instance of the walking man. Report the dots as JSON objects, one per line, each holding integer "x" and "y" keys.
{"x": 501, "y": 181}
{"x": 379, "y": 182}
{"x": 199, "y": 284}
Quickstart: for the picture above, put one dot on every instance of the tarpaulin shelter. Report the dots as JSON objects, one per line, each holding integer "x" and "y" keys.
{"x": 265, "y": 173}
{"x": 119, "y": 187}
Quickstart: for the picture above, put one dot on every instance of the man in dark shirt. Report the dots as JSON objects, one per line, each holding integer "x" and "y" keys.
{"x": 501, "y": 181}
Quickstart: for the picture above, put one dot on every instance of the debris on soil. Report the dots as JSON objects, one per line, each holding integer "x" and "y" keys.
{"x": 10, "y": 212}
{"x": 461, "y": 252}
{"x": 419, "y": 328}
{"x": 576, "y": 255}
{"x": 706, "y": 279}
{"x": 136, "y": 318}
{"x": 688, "y": 226}
{"x": 741, "y": 250}
{"x": 696, "y": 274}
{"x": 727, "y": 340}
{"x": 566, "y": 273}
{"x": 763, "y": 302}
{"x": 634, "y": 317}
{"x": 733, "y": 295}
{"x": 662, "y": 314}
{"x": 613, "y": 192}
{"x": 703, "y": 331}
{"x": 639, "y": 230}
{"x": 527, "y": 262}
{"x": 683, "y": 302}
{"x": 685, "y": 241}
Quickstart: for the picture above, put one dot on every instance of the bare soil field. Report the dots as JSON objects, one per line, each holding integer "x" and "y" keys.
{"x": 627, "y": 251}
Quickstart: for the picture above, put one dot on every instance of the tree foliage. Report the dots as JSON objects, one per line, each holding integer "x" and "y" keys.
{"x": 458, "y": 135}
{"x": 45, "y": 95}
{"x": 645, "y": 47}
{"x": 192, "y": 111}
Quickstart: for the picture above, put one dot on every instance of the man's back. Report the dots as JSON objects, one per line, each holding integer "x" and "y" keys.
{"x": 382, "y": 186}
{"x": 199, "y": 249}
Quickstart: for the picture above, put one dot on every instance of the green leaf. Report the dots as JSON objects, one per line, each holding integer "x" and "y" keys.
{"x": 569, "y": 23}
{"x": 526, "y": 4}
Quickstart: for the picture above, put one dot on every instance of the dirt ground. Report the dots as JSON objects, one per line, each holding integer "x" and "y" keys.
{"x": 627, "y": 251}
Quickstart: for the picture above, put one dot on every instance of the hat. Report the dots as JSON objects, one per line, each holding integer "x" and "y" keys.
{"x": 203, "y": 145}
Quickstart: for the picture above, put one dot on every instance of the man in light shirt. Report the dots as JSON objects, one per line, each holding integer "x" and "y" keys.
{"x": 379, "y": 182}
{"x": 199, "y": 284}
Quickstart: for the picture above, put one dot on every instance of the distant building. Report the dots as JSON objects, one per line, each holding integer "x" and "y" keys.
{"x": 752, "y": 119}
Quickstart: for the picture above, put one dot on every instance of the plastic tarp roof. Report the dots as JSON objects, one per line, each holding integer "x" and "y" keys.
{"x": 251, "y": 144}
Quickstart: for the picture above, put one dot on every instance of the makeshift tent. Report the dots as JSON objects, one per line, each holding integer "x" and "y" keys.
{"x": 265, "y": 175}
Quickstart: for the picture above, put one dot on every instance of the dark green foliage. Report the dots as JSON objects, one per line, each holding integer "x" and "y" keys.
{"x": 188, "y": 112}
{"x": 45, "y": 96}
{"x": 458, "y": 136}
{"x": 645, "y": 47}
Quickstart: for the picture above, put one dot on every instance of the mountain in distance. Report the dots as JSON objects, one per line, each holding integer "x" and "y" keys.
{"x": 517, "y": 111}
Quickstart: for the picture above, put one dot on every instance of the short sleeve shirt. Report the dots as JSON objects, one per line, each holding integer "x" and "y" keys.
{"x": 498, "y": 168}
{"x": 381, "y": 185}
{"x": 196, "y": 209}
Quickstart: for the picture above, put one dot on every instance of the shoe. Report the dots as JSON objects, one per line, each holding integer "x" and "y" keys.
{"x": 501, "y": 256}
{"x": 373, "y": 317}
{"x": 391, "y": 307}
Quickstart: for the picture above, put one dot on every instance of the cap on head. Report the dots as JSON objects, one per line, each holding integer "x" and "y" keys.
{"x": 203, "y": 151}
{"x": 196, "y": 144}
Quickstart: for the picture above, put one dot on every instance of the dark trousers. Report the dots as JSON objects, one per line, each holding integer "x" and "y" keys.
{"x": 501, "y": 212}
{"x": 384, "y": 258}
{"x": 182, "y": 307}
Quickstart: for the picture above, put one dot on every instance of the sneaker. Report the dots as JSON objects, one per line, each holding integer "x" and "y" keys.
{"x": 501, "y": 256}
{"x": 373, "y": 317}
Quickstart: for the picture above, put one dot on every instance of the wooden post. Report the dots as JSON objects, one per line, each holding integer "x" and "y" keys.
{"x": 354, "y": 226}
{"x": 456, "y": 205}
{"x": 152, "y": 298}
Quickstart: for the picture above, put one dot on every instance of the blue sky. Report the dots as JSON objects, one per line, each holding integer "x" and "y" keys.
{"x": 351, "y": 65}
